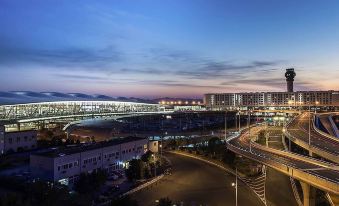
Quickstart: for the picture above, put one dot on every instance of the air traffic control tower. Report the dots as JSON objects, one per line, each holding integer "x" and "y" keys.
{"x": 290, "y": 74}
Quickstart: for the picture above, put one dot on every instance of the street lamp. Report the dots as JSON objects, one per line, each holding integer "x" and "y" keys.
{"x": 239, "y": 120}
{"x": 236, "y": 186}
{"x": 160, "y": 152}
{"x": 315, "y": 110}
{"x": 249, "y": 128}
{"x": 155, "y": 169}
{"x": 225, "y": 126}
{"x": 309, "y": 125}
{"x": 289, "y": 140}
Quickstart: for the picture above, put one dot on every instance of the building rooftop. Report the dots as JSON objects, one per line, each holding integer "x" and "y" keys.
{"x": 24, "y": 97}
{"x": 73, "y": 149}
{"x": 275, "y": 92}
{"x": 22, "y": 130}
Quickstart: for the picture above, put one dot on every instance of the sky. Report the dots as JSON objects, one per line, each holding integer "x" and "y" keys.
{"x": 175, "y": 48}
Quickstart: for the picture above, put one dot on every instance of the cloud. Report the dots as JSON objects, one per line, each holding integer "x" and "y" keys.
{"x": 268, "y": 82}
{"x": 172, "y": 83}
{"x": 141, "y": 71}
{"x": 79, "y": 77}
{"x": 174, "y": 56}
{"x": 230, "y": 70}
{"x": 74, "y": 57}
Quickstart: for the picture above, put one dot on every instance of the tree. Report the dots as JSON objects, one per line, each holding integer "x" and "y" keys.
{"x": 124, "y": 201}
{"x": 165, "y": 202}
{"x": 12, "y": 199}
{"x": 147, "y": 157}
{"x": 228, "y": 157}
{"x": 43, "y": 193}
{"x": 20, "y": 149}
{"x": 215, "y": 145}
{"x": 136, "y": 170}
{"x": 49, "y": 134}
{"x": 89, "y": 183}
{"x": 172, "y": 143}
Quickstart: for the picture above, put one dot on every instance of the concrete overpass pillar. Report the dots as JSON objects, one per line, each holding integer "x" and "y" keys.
{"x": 308, "y": 194}
{"x": 18, "y": 126}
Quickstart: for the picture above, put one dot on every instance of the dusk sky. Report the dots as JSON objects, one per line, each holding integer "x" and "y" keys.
{"x": 177, "y": 48}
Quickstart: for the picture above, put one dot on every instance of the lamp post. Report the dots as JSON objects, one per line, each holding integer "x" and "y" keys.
{"x": 315, "y": 110}
{"x": 155, "y": 168}
{"x": 239, "y": 120}
{"x": 289, "y": 140}
{"x": 161, "y": 149}
{"x": 249, "y": 128}
{"x": 160, "y": 152}
{"x": 309, "y": 125}
{"x": 225, "y": 126}
{"x": 236, "y": 186}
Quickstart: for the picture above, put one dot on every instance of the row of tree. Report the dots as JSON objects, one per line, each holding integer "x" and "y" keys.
{"x": 141, "y": 168}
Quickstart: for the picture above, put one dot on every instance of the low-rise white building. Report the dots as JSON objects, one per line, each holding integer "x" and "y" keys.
{"x": 153, "y": 146}
{"x": 16, "y": 141}
{"x": 66, "y": 165}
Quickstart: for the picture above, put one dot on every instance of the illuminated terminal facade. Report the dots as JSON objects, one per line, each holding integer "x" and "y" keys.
{"x": 290, "y": 98}
{"x": 216, "y": 101}
{"x": 34, "y": 106}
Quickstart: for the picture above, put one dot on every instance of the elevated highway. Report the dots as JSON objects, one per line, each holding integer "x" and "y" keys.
{"x": 326, "y": 120}
{"x": 316, "y": 142}
{"x": 309, "y": 171}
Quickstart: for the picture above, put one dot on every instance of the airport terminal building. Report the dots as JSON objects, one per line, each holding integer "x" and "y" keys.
{"x": 221, "y": 101}
{"x": 290, "y": 98}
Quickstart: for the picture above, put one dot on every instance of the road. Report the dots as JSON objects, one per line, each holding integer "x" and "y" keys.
{"x": 299, "y": 129}
{"x": 284, "y": 162}
{"x": 197, "y": 183}
{"x": 285, "y": 194}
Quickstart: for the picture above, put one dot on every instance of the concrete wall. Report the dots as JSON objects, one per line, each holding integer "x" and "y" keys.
{"x": 42, "y": 167}
{"x": 153, "y": 146}
{"x": 69, "y": 167}
{"x": 21, "y": 139}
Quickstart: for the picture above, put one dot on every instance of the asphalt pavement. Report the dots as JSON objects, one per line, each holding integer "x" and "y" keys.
{"x": 195, "y": 183}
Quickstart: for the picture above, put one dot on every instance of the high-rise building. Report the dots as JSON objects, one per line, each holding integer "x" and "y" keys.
{"x": 290, "y": 74}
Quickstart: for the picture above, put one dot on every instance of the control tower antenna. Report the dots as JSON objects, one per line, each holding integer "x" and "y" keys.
{"x": 290, "y": 74}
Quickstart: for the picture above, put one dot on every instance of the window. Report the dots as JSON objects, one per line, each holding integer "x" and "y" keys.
{"x": 76, "y": 163}
{"x": 58, "y": 168}
{"x": 10, "y": 140}
{"x": 18, "y": 139}
{"x": 25, "y": 138}
{"x": 70, "y": 165}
